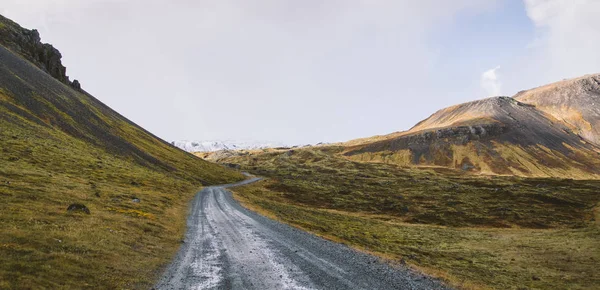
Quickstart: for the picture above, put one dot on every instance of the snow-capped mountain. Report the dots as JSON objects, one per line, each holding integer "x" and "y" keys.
{"x": 211, "y": 146}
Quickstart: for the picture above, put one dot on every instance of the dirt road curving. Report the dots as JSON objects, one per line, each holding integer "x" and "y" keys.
{"x": 230, "y": 247}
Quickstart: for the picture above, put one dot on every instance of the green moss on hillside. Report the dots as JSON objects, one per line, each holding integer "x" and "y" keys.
{"x": 476, "y": 232}
{"x": 59, "y": 147}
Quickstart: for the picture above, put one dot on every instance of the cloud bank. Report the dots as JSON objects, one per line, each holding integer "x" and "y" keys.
{"x": 568, "y": 37}
{"x": 490, "y": 82}
{"x": 303, "y": 71}
{"x": 294, "y": 71}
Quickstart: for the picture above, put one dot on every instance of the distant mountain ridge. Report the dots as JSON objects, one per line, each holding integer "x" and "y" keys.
{"x": 552, "y": 130}
{"x": 212, "y": 146}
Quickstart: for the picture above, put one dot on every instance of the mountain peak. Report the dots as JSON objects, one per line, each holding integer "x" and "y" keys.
{"x": 586, "y": 83}
{"x": 574, "y": 102}
{"x": 486, "y": 111}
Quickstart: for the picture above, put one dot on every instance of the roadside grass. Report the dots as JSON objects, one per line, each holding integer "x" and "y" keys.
{"x": 122, "y": 244}
{"x": 43, "y": 245}
{"x": 475, "y": 232}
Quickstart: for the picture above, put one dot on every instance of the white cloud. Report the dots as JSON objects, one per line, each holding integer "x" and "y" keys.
{"x": 490, "y": 82}
{"x": 293, "y": 71}
{"x": 567, "y": 37}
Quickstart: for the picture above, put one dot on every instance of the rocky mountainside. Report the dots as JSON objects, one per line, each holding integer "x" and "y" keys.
{"x": 27, "y": 43}
{"x": 542, "y": 132}
{"x": 212, "y": 146}
{"x": 574, "y": 102}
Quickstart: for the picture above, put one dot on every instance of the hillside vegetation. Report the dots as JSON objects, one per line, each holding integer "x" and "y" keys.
{"x": 61, "y": 147}
{"x": 476, "y": 232}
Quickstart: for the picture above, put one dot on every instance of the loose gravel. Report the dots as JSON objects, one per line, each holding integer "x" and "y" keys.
{"x": 230, "y": 247}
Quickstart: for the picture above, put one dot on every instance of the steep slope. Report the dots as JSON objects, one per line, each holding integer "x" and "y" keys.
{"x": 498, "y": 135}
{"x": 61, "y": 147}
{"x": 574, "y": 102}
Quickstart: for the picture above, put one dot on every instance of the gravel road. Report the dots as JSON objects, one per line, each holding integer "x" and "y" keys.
{"x": 229, "y": 247}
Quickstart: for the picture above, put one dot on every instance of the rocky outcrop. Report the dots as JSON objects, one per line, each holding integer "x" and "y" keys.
{"x": 28, "y": 44}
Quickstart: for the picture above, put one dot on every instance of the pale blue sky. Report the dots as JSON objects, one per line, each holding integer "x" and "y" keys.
{"x": 309, "y": 71}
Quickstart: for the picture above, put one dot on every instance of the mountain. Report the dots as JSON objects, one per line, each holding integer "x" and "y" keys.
{"x": 212, "y": 146}
{"x": 574, "y": 102}
{"x": 548, "y": 131}
{"x": 88, "y": 198}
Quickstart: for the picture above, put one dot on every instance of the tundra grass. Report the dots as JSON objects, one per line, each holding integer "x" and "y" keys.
{"x": 59, "y": 147}
{"x": 474, "y": 232}
{"x": 137, "y": 215}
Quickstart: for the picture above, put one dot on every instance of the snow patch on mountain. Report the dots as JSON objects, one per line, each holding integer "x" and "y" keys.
{"x": 212, "y": 146}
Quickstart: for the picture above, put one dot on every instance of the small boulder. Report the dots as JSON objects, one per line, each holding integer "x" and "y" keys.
{"x": 136, "y": 200}
{"x": 233, "y": 165}
{"x": 404, "y": 209}
{"x": 77, "y": 207}
{"x": 76, "y": 85}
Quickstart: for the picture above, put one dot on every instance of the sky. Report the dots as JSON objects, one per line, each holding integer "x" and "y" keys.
{"x": 308, "y": 71}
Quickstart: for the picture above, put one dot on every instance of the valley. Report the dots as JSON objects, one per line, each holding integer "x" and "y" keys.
{"x": 230, "y": 247}
{"x": 496, "y": 193}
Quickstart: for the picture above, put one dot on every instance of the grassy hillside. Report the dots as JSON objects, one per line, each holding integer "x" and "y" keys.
{"x": 60, "y": 146}
{"x": 475, "y": 232}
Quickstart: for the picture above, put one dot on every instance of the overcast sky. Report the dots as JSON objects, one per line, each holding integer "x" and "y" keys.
{"x": 308, "y": 71}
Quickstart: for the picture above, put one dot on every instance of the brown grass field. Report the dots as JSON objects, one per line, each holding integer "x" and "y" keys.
{"x": 474, "y": 232}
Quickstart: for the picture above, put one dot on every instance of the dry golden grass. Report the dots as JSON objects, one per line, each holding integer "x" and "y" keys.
{"x": 469, "y": 258}
{"x": 122, "y": 244}
{"x": 521, "y": 162}
{"x": 445, "y": 224}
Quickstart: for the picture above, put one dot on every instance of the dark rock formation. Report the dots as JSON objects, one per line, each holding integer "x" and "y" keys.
{"x": 28, "y": 44}
{"x": 233, "y": 165}
{"x": 78, "y": 208}
{"x": 76, "y": 85}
